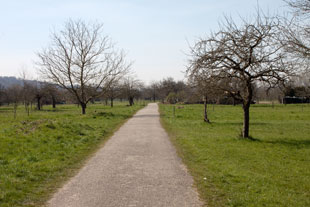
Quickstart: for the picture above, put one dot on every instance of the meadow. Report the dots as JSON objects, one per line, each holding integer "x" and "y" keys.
{"x": 271, "y": 169}
{"x": 41, "y": 151}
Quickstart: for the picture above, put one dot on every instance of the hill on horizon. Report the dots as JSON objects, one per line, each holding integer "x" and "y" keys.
{"x": 7, "y": 81}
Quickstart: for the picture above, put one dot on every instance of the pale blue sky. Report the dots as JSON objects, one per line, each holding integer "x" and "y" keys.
{"x": 154, "y": 33}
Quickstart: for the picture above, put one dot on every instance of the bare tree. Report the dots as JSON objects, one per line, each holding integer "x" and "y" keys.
{"x": 131, "y": 88}
{"x": 39, "y": 94}
{"x": 52, "y": 92}
{"x": 153, "y": 88}
{"x": 14, "y": 94}
{"x": 294, "y": 32}
{"x": 204, "y": 84}
{"x": 82, "y": 60}
{"x": 240, "y": 55}
{"x": 113, "y": 91}
{"x": 27, "y": 90}
{"x": 151, "y": 91}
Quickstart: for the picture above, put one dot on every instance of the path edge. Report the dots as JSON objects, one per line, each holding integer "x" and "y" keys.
{"x": 179, "y": 153}
{"x": 72, "y": 172}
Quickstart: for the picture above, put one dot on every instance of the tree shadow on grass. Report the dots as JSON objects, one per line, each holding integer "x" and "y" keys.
{"x": 110, "y": 115}
{"x": 280, "y": 142}
{"x": 290, "y": 143}
{"x": 54, "y": 110}
{"x": 6, "y": 111}
{"x": 238, "y": 123}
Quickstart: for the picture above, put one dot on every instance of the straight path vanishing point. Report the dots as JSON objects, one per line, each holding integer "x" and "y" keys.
{"x": 138, "y": 166}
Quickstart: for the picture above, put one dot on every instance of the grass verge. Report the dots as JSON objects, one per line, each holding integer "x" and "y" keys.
{"x": 273, "y": 170}
{"x": 39, "y": 152}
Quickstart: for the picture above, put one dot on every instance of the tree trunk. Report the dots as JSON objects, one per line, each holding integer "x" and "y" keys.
{"x": 111, "y": 102}
{"x": 27, "y": 108}
{"x": 246, "y": 121}
{"x": 54, "y": 102}
{"x": 131, "y": 101}
{"x": 205, "y": 110}
{"x": 246, "y": 112}
{"x": 39, "y": 103}
{"x": 15, "y": 109}
{"x": 83, "y": 105}
{"x": 154, "y": 97}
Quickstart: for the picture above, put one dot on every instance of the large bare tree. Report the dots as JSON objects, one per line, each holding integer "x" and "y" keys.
{"x": 82, "y": 60}
{"x": 238, "y": 56}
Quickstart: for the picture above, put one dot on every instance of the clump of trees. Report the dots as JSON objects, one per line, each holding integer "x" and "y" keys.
{"x": 167, "y": 90}
{"x": 29, "y": 93}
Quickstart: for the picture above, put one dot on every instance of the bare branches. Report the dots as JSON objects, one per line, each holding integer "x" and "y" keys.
{"x": 294, "y": 33}
{"x": 300, "y": 7}
{"x": 248, "y": 53}
{"x": 236, "y": 57}
{"x": 82, "y": 60}
{"x": 131, "y": 86}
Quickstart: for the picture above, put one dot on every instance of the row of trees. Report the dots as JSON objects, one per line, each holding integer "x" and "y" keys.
{"x": 262, "y": 52}
{"x": 29, "y": 93}
{"x": 129, "y": 88}
{"x": 126, "y": 88}
{"x": 37, "y": 93}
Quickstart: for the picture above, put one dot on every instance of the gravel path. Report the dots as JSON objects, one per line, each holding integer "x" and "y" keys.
{"x": 138, "y": 166}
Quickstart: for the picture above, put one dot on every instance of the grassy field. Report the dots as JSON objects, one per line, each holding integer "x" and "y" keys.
{"x": 39, "y": 152}
{"x": 274, "y": 170}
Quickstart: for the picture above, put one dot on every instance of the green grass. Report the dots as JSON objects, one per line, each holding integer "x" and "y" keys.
{"x": 39, "y": 152}
{"x": 274, "y": 170}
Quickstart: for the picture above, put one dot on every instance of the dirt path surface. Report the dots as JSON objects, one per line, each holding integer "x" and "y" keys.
{"x": 138, "y": 166}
